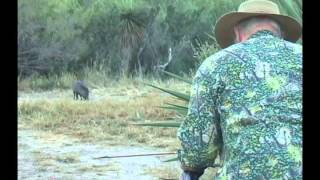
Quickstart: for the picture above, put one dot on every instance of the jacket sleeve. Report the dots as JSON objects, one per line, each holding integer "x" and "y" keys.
{"x": 200, "y": 132}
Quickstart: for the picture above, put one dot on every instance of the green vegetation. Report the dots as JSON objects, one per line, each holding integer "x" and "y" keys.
{"x": 120, "y": 36}
{"x": 117, "y": 47}
{"x": 60, "y": 36}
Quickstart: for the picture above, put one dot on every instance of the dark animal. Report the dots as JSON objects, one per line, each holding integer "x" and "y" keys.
{"x": 80, "y": 89}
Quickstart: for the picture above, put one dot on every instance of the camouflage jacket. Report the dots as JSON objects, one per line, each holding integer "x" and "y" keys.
{"x": 246, "y": 107}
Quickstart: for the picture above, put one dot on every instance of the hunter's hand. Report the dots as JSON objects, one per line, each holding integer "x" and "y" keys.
{"x": 188, "y": 175}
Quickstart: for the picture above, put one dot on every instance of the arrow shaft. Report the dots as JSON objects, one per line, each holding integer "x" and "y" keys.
{"x": 135, "y": 155}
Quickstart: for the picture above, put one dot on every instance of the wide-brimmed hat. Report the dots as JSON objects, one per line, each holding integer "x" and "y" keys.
{"x": 224, "y": 27}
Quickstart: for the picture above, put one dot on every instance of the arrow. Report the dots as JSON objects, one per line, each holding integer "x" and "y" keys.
{"x": 135, "y": 155}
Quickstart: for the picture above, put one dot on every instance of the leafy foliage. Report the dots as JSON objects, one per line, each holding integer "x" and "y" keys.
{"x": 67, "y": 35}
{"x": 116, "y": 36}
{"x": 182, "y": 110}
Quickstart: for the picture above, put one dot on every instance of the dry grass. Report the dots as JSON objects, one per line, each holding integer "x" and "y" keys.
{"x": 46, "y": 162}
{"x": 45, "y": 159}
{"x": 68, "y": 158}
{"x": 164, "y": 173}
{"x": 100, "y": 168}
{"x": 108, "y": 119}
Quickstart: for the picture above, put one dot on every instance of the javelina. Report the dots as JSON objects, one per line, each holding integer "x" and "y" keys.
{"x": 80, "y": 89}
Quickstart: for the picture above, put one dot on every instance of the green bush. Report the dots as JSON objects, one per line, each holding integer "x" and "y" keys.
{"x": 107, "y": 35}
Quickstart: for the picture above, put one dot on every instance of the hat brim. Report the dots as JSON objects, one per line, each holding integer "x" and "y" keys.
{"x": 224, "y": 27}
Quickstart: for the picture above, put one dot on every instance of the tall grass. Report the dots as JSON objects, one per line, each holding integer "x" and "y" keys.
{"x": 38, "y": 83}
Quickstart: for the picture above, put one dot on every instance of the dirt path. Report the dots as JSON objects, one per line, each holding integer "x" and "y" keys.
{"x": 43, "y": 155}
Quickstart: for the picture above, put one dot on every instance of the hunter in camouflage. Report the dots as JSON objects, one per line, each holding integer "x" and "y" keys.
{"x": 246, "y": 108}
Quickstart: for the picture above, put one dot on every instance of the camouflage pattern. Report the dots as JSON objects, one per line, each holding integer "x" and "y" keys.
{"x": 246, "y": 107}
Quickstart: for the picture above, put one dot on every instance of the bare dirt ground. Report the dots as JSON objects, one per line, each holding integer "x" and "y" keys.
{"x": 43, "y": 155}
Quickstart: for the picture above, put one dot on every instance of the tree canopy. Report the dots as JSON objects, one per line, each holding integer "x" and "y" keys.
{"x": 120, "y": 36}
